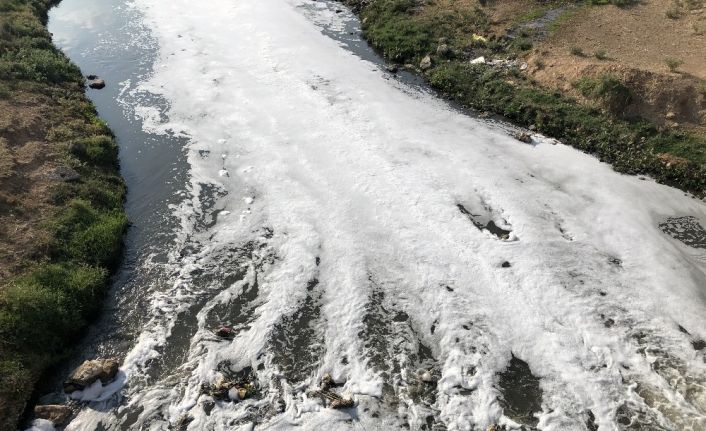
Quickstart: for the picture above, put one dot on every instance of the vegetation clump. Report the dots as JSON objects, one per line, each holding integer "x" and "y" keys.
{"x": 673, "y": 64}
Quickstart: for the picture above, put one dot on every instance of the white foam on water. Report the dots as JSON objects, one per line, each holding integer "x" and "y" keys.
{"x": 367, "y": 174}
{"x": 41, "y": 425}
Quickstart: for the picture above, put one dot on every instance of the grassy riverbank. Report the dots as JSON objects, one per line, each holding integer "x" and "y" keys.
{"x": 61, "y": 198}
{"x": 439, "y": 38}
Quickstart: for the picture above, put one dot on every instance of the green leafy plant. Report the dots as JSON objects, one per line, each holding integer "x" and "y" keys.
{"x": 673, "y": 64}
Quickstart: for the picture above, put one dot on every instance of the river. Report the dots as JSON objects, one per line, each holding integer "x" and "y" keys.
{"x": 345, "y": 221}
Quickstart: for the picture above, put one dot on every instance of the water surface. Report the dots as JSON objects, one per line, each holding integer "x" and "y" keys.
{"x": 347, "y": 222}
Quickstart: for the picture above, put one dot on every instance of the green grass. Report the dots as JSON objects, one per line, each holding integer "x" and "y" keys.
{"x": 608, "y": 89}
{"x": 395, "y": 29}
{"x": 44, "y": 309}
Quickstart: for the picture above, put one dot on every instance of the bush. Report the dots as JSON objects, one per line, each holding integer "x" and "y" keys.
{"x": 39, "y": 65}
{"x": 86, "y": 234}
{"x": 97, "y": 150}
{"x": 575, "y": 50}
{"x": 43, "y": 308}
{"x": 607, "y": 88}
{"x": 601, "y": 55}
{"x": 673, "y": 64}
{"x": 673, "y": 12}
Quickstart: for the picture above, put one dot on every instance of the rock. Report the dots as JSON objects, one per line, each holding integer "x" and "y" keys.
{"x": 92, "y": 77}
{"x": 479, "y": 60}
{"x": 91, "y": 371}
{"x": 425, "y": 63}
{"x": 506, "y": 264}
{"x": 342, "y": 403}
{"x": 670, "y": 116}
{"x": 225, "y": 332}
{"x": 442, "y": 50}
{"x": 64, "y": 173}
{"x": 392, "y": 68}
{"x": 532, "y": 127}
{"x": 96, "y": 83}
{"x": 523, "y": 137}
{"x": 56, "y": 413}
{"x": 524, "y": 66}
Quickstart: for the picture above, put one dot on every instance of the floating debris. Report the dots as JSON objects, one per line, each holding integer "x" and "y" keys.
{"x": 426, "y": 377}
{"x": 523, "y": 137}
{"x": 335, "y": 401}
{"x": 225, "y": 332}
{"x": 226, "y": 389}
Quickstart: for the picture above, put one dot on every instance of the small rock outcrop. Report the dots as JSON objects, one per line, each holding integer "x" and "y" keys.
{"x": 89, "y": 372}
{"x": 425, "y": 63}
{"x": 56, "y": 413}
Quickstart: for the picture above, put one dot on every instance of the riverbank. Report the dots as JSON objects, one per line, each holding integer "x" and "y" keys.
{"x": 453, "y": 44}
{"x": 61, "y": 198}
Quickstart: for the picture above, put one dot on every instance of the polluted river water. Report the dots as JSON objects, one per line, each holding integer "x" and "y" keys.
{"x": 366, "y": 241}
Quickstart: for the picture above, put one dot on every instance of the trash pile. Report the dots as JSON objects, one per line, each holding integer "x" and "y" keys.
{"x": 500, "y": 63}
{"x": 330, "y": 398}
{"x": 230, "y": 390}
{"x": 241, "y": 386}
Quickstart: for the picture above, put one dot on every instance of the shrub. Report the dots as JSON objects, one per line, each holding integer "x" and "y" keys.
{"x": 49, "y": 304}
{"x": 607, "y": 88}
{"x": 673, "y": 12}
{"x": 673, "y": 64}
{"x": 98, "y": 150}
{"x": 575, "y": 50}
{"x": 39, "y": 65}
{"x": 522, "y": 44}
{"x": 601, "y": 55}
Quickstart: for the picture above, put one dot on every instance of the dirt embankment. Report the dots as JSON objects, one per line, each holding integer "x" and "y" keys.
{"x": 61, "y": 217}
{"x": 657, "y": 48}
